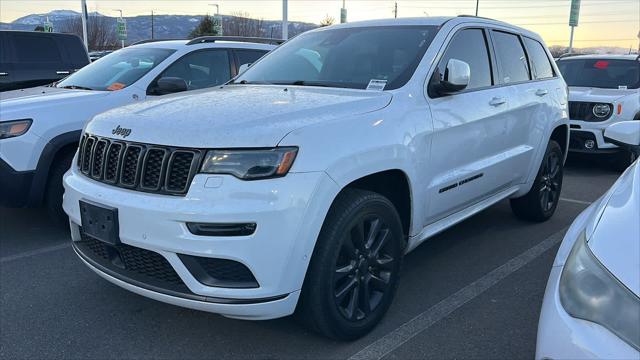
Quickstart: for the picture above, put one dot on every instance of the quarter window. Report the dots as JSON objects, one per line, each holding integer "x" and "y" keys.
{"x": 511, "y": 57}
{"x": 470, "y": 46}
{"x": 539, "y": 58}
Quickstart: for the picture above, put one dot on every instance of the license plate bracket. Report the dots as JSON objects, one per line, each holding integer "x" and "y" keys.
{"x": 100, "y": 222}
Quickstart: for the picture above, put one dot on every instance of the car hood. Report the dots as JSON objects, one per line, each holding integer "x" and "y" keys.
{"x": 598, "y": 95}
{"x": 43, "y": 96}
{"x": 234, "y": 116}
{"x": 616, "y": 238}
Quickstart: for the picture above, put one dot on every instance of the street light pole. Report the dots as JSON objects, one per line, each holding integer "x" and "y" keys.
{"x": 152, "y": 25}
{"x": 477, "y": 6}
{"x": 83, "y": 4}
{"x": 285, "y": 21}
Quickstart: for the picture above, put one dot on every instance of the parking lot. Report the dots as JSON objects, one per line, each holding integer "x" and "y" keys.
{"x": 473, "y": 291}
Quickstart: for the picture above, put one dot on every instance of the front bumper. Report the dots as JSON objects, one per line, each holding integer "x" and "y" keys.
{"x": 583, "y": 131}
{"x": 15, "y": 186}
{"x": 287, "y": 212}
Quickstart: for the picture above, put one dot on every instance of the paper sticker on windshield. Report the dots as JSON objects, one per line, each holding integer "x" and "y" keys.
{"x": 116, "y": 86}
{"x": 377, "y": 85}
{"x": 622, "y": 87}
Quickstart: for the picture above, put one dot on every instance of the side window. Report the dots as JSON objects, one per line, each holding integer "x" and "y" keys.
{"x": 511, "y": 57}
{"x": 539, "y": 58}
{"x": 470, "y": 46}
{"x": 36, "y": 49}
{"x": 248, "y": 56}
{"x": 201, "y": 69}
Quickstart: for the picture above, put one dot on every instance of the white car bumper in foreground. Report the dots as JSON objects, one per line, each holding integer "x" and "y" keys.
{"x": 154, "y": 238}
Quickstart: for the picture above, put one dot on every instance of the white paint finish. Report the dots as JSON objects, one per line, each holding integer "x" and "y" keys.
{"x": 627, "y": 132}
{"x": 342, "y": 135}
{"x": 613, "y": 232}
{"x": 56, "y": 111}
{"x": 616, "y": 239}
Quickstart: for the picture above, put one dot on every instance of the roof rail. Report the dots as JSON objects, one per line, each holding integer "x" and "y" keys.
{"x": 478, "y": 17}
{"x": 152, "y": 41}
{"x": 207, "y": 39}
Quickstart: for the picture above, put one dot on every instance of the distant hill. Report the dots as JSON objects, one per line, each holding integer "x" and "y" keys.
{"x": 139, "y": 27}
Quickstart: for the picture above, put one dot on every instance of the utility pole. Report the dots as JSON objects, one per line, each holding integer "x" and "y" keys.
{"x": 152, "y": 25}
{"x": 83, "y": 4}
{"x": 285, "y": 21}
{"x": 477, "y": 6}
{"x": 395, "y": 10}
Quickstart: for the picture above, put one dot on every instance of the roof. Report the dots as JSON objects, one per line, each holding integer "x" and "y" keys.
{"x": 601, "y": 56}
{"x": 434, "y": 21}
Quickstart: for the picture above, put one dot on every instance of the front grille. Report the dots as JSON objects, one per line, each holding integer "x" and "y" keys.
{"x": 141, "y": 167}
{"x": 580, "y": 110}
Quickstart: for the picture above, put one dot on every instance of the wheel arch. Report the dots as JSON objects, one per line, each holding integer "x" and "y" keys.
{"x": 560, "y": 134}
{"x": 58, "y": 146}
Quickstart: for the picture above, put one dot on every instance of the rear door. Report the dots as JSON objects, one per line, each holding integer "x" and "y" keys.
{"x": 37, "y": 59}
{"x": 526, "y": 117}
{"x": 469, "y": 127}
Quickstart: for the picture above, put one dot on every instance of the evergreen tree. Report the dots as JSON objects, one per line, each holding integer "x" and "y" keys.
{"x": 204, "y": 28}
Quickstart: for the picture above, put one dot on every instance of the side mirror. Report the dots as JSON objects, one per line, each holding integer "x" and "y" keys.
{"x": 170, "y": 85}
{"x": 625, "y": 134}
{"x": 243, "y": 68}
{"x": 456, "y": 77}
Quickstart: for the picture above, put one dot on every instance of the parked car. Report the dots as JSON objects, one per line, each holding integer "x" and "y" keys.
{"x": 304, "y": 181}
{"x": 591, "y": 307}
{"x": 40, "y": 127}
{"x": 30, "y": 58}
{"x": 603, "y": 89}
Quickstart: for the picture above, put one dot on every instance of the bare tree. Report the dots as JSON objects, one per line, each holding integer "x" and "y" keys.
{"x": 241, "y": 24}
{"x": 101, "y": 33}
{"x": 327, "y": 21}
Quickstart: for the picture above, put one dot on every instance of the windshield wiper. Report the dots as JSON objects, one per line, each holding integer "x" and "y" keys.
{"x": 305, "y": 83}
{"x": 247, "y": 82}
{"x": 76, "y": 87}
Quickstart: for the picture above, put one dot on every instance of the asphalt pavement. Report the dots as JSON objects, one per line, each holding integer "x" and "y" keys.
{"x": 474, "y": 291}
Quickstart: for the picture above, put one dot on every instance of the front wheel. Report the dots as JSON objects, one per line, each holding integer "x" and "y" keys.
{"x": 541, "y": 201}
{"x": 353, "y": 274}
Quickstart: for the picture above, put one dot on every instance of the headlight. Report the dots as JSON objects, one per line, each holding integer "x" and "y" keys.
{"x": 250, "y": 164}
{"x": 9, "y": 129}
{"x": 590, "y": 292}
{"x": 601, "y": 110}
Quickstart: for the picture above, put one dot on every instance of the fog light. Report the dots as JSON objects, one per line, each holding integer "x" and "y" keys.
{"x": 589, "y": 144}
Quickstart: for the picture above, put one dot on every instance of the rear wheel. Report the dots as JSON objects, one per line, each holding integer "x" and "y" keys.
{"x": 541, "y": 201}
{"x": 353, "y": 274}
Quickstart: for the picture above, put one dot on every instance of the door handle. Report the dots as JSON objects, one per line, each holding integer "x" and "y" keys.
{"x": 4, "y": 74}
{"x": 496, "y": 101}
{"x": 542, "y": 92}
{"x": 63, "y": 72}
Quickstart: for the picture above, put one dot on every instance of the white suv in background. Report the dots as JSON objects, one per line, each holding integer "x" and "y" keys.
{"x": 304, "y": 181}
{"x": 40, "y": 127}
{"x": 603, "y": 89}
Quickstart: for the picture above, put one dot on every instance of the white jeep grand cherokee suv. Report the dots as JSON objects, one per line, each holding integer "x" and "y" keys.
{"x": 603, "y": 90}
{"x": 303, "y": 182}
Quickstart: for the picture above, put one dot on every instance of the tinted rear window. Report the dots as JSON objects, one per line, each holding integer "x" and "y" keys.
{"x": 511, "y": 56}
{"x": 601, "y": 73}
{"x": 539, "y": 58}
{"x": 35, "y": 49}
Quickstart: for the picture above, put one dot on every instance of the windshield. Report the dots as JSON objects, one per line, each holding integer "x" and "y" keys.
{"x": 117, "y": 70}
{"x": 603, "y": 73}
{"x": 385, "y": 57}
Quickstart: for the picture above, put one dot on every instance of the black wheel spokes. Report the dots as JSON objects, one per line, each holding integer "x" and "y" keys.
{"x": 364, "y": 269}
{"x": 550, "y": 182}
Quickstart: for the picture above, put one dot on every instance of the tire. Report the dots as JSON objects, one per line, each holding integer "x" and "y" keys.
{"x": 623, "y": 159}
{"x": 541, "y": 201}
{"x": 55, "y": 190}
{"x": 344, "y": 271}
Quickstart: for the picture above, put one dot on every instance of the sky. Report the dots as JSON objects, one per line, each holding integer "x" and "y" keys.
{"x": 602, "y": 22}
